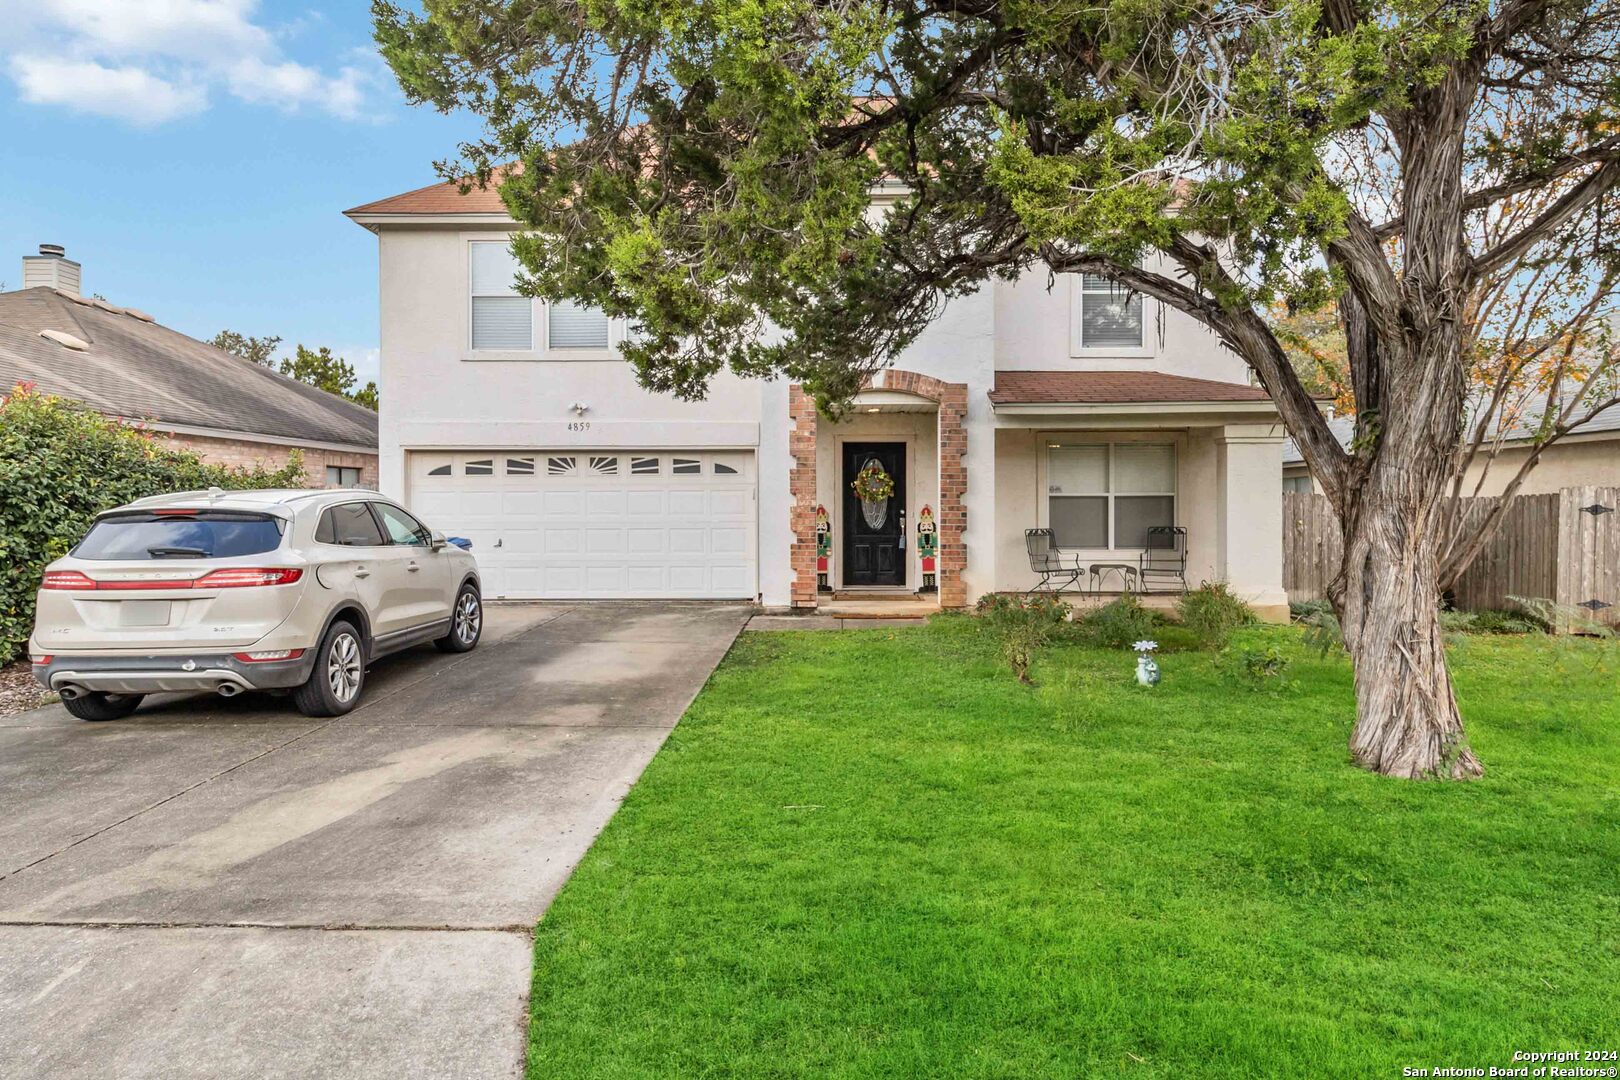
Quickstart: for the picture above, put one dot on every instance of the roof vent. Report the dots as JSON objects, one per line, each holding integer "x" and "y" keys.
{"x": 52, "y": 269}
{"x": 65, "y": 340}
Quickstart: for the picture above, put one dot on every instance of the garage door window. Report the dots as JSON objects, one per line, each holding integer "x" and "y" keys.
{"x": 481, "y": 467}
{"x": 685, "y": 466}
{"x": 520, "y": 466}
{"x": 644, "y": 466}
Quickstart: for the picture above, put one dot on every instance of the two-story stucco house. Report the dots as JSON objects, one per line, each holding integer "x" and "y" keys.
{"x": 1074, "y": 407}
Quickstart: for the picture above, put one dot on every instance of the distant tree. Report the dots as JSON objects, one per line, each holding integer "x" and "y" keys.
{"x": 324, "y": 370}
{"x": 259, "y": 350}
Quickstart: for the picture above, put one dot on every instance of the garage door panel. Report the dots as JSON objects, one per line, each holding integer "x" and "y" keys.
{"x": 688, "y": 504}
{"x": 728, "y": 541}
{"x": 604, "y": 541}
{"x": 645, "y": 541}
{"x": 568, "y": 505}
{"x": 687, "y": 541}
{"x": 596, "y": 525}
{"x": 644, "y": 503}
{"x": 564, "y": 541}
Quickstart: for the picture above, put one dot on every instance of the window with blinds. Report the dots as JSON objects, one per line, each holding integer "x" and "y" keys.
{"x": 1107, "y": 496}
{"x": 575, "y": 326}
{"x": 501, "y": 319}
{"x": 1110, "y": 314}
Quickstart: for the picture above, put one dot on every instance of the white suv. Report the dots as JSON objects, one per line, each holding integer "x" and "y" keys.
{"x": 247, "y": 590}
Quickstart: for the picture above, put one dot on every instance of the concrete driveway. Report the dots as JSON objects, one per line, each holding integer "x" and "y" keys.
{"x": 224, "y": 888}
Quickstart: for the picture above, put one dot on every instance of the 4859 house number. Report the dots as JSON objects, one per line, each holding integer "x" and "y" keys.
{"x": 579, "y": 425}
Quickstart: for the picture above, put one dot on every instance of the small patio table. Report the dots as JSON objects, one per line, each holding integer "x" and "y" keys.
{"x": 1101, "y": 571}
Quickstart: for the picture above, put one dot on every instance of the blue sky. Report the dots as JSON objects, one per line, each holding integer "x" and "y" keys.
{"x": 195, "y": 156}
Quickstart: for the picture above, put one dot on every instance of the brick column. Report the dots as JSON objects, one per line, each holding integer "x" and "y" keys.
{"x": 802, "y": 486}
{"x": 952, "y": 494}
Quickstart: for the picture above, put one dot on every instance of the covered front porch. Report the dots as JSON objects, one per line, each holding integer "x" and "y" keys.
{"x": 902, "y": 445}
{"x": 1110, "y": 461}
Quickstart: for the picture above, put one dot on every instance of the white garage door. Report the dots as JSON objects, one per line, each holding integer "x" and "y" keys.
{"x": 597, "y": 524}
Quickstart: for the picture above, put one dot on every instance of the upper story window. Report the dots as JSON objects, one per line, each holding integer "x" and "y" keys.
{"x": 1110, "y": 315}
{"x": 575, "y": 326}
{"x": 501, "y": 319}
{"x": 504, "y": 321}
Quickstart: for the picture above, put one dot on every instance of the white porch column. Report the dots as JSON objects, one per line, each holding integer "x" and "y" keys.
{"x": 1248, "y": 510}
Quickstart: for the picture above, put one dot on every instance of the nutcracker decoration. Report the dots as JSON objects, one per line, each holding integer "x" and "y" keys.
{"x": 823, "y": 547}
{"x": 927, "y": 546}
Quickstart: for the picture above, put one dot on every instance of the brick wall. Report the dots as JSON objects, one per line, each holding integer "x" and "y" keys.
{"x": 243, "y": 453}
{"x": 802, "y": 486}
{"x": 952, "y": 517}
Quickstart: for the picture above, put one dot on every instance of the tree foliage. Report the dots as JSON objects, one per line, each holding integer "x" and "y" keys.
{"x": 315, "y": 367}
{"x": 256, "y": 350}
{"x": 793, "y": 187}
{"x": 60, "y": 465}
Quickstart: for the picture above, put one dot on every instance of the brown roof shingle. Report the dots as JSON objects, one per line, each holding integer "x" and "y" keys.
{"x": 1113, "y": 388}
{"x": 444, "y": 198}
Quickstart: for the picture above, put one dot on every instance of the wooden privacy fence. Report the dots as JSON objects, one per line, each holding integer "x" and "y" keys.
{"x": 1563, "y": 547}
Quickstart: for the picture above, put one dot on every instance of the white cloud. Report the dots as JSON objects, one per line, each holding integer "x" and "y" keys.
{"x": 150, "y": 61}
{"x": 123, "y": 93}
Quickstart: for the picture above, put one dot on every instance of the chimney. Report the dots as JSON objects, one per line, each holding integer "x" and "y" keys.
{"x": 51, "y": 268}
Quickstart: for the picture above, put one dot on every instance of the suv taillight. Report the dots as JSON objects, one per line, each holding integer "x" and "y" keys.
{"x": 242, "y": 577}
{"x": 66, "y": 579}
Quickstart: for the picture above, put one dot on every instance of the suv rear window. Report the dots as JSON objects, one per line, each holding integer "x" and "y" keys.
{"x": 206, "y": 534}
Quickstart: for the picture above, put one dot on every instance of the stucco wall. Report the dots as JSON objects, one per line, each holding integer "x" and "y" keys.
{"x": 436, "y": 391}
{"x": 240, "y": 453}
{"x": 1034, "y": 332}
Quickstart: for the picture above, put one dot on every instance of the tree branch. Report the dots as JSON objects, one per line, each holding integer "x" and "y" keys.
{"x": 1571, "y": 203}
{"x": 1243, "y": 331}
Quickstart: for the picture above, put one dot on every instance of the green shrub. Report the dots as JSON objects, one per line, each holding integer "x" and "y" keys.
{"x": 1173, "y": 638}
{"x": 1024, "y": 624}
{"x": 1301, "y": 610}
{"x": 1260, "y": 668}
{"x": 60, "y": 465}
{"x": 1493, "y": 622}
{"x": 1214, "y": 613}
{"x": 1118, "y": 624}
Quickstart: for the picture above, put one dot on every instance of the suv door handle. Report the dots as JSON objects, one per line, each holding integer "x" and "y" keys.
{"x": 413, "y": 568}
{"x": 361, "y": 572}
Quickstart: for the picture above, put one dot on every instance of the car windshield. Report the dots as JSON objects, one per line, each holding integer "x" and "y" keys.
{"x": 205, "y": 534}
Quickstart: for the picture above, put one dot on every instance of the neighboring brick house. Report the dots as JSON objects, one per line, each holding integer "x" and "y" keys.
{"x": 225, "y": 409}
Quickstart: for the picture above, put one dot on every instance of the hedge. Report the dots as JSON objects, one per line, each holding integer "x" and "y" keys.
{"x": 60, "y": 465}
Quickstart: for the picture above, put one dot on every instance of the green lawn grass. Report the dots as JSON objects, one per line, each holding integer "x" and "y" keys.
{"x": 876, "y": 854}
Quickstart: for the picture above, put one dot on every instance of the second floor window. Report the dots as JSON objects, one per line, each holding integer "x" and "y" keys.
{"x": 575, "y": 326}
{"x": 501, "y": 319}
{"x": 1110, "y": 314}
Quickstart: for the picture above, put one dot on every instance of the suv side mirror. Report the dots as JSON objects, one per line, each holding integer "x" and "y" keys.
{"x": 436, "y": 540}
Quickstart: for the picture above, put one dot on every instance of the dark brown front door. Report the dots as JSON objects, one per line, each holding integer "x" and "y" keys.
{"x": 874, "y": 536}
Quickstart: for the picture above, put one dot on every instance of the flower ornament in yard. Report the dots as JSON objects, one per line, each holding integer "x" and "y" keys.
{"x": 874, "y": 488}
{"x": 1147, "y": 671}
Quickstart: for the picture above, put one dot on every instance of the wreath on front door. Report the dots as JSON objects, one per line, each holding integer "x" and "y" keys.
{"x": 874, "y": 488}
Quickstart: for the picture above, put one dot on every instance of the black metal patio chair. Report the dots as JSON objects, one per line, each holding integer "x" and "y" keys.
{"x": 1057, "y": 569}
{"x": 1164, "y": 559}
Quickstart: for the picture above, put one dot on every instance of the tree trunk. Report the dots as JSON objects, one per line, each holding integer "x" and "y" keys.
{"x": 1387, "y": 595}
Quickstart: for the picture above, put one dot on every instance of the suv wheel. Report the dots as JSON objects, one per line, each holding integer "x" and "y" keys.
{"x": 466, "y": 622}
{"x": 339, "y": 675}
{"x": 100, "y": 706}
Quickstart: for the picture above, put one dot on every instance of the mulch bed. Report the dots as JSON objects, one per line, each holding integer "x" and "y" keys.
{"x": 18, "y": 690}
